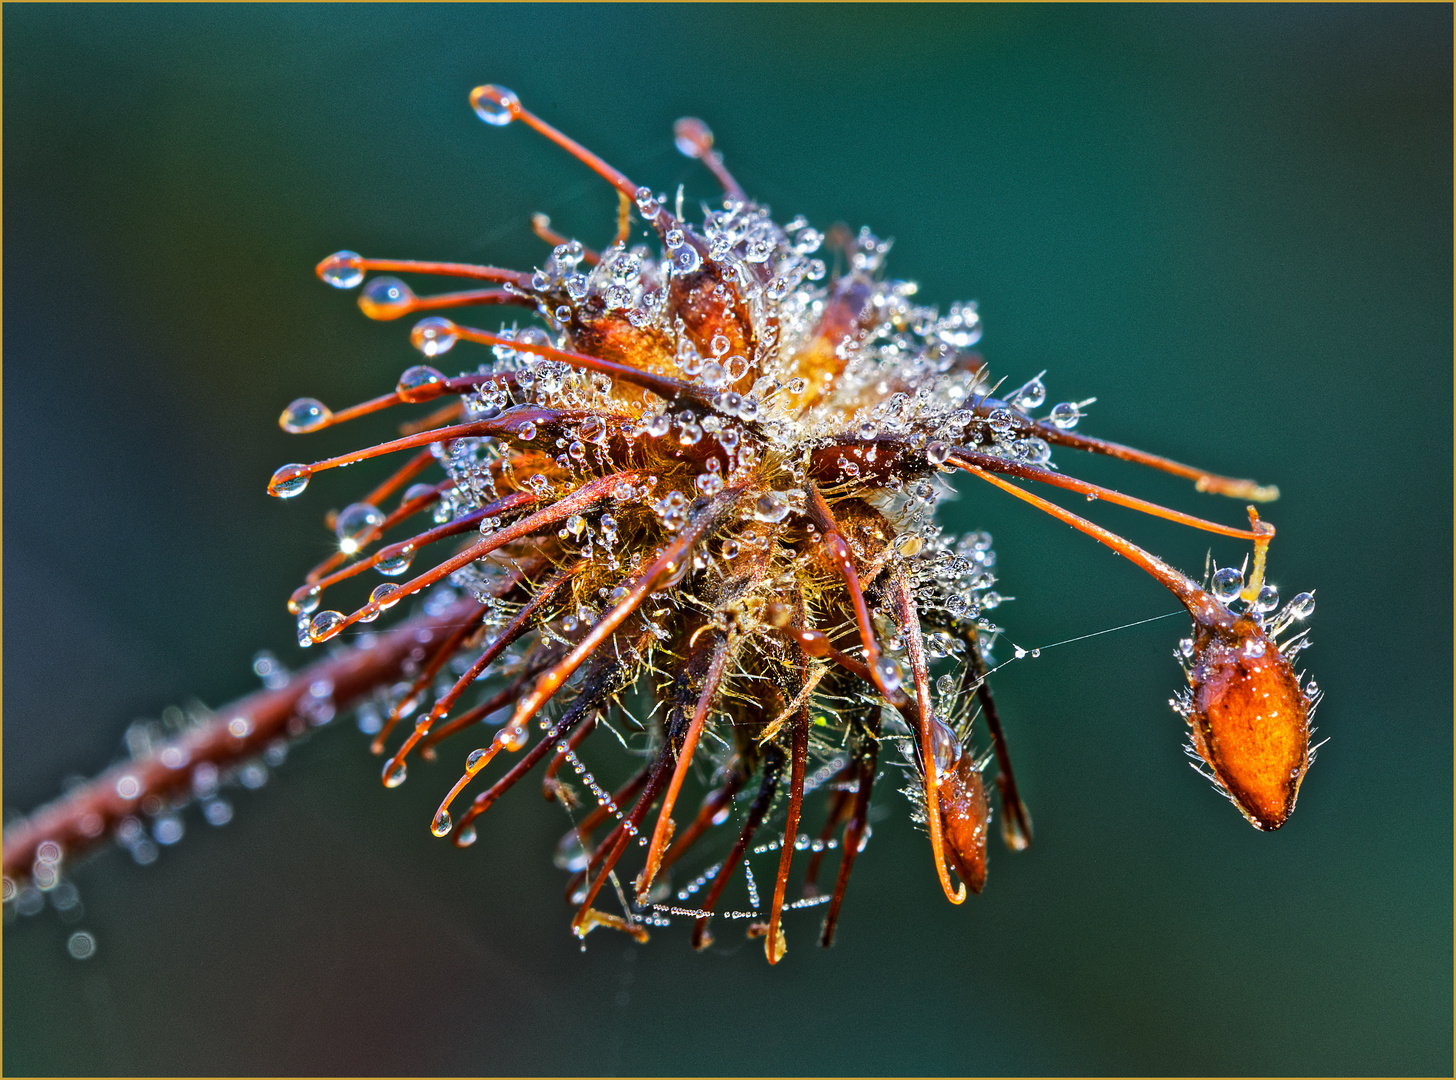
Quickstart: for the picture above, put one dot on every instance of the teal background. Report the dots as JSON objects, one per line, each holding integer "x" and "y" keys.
{"x": 1231, "y": 224}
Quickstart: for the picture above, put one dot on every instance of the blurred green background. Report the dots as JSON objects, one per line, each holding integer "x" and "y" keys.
{"x": 1231, "y": 224}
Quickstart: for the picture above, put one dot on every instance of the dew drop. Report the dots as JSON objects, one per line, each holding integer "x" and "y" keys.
{"x": 1267, "y": 600}
{"x": 1311, "y": 689}
{"x": 325, "y": 625}
{"x": 1065, "y": 415}
{"x": 386, "y": 298}
{"x": 1030, "y": 396}
{"x": 305, "y": 601}
{"x": 685, "y": 260}
{"x": 889, "y": 673}
{"x": 465, "y": 837}
{"x": 289, "y": 481}
{"x": 397, "y": 563}
{"x": 494, "y": 104}
{"x": 342, "y": 269}
{"x": 771, "y": 507}
{"x": 394, "y": 772}
{"x": 442, "y": 824}
{"x": 381, "y": 596}
{"x": 355, "y": 522}
{"x": 1226, "y": 584}
{"x": 304, "y": 415}
{"x": 434, "y": 336}
{"x": 526, "y": 432}
{"x": 420, "y": 383}
{"x": 937, "y": 452}
{"x": 1302, "y": 606}
{"x": 946, "y": 746}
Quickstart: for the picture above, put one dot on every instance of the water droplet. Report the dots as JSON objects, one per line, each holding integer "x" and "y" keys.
{"x": 593, "y": 429}
{"x": 342, "y": 269}
{"x": 1311, "y": 689}
{"x": 305, "y": 601}
{"x": 1030, "y": 396}
{"x": 1268, "y": 599}
{"x": 685, "y": 260}
{"x": 465, "y": 837}
{"x": 712, "y": 374}
{"x": 434, "y": 336}
{"x": 657, "y": 426}
{"x": 937, "y": 452}
{"x": 1226, "y": 584}
{"x": 909, "y": 544}
{"x": 1302, "y": 606}
{"x": 305, "y": 414}
{"x": 325, "y": 625}
{"x": 386, "y": 298}
{"x": 442, "y": 824}
{"x": 772, "y": 506}
{"x": 526, "y": 432}
{"x": 889, "y": 673}
{"x": 946, "y": 746}
{"x": 867, "y": 430}
{"x": 1065, "y": 415}
{"x": 289, "y": 481}
{"x": 690, "y": 434}
{"x": 420, "y": 383}
{"x": 1001, "y": 421}
{"x": 945, "y": 685}
{"x": 494, "y": 104}
{"x": 394, "y": 773}
{"x": 397, "y": 563}
{"x": 354, "y": 523}
{"x": 381, "y": 596}
{"x": 1254, "y": 647}
{"x": 729, "y": 549}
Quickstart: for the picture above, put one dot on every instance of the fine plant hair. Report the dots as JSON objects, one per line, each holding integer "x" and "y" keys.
{"x": 687, "y": 492}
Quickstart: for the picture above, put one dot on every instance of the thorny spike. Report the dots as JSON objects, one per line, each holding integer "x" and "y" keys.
{"x": 402, "y": 301}
{"x": 903, "y": 596}
{"x": 859, "y": 818}
{"x": 1203, "y": 480}
{"x": 349, "y": 260}
{"x": 774, "y": 946}
{"x": 970, "y": 460}
{"x": 661, "y": 385}
{"x": 838, "y": 550}
{"x": 662, "y": 832}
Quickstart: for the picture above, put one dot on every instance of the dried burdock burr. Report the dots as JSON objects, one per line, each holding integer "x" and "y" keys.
{"x": 688, "y": 494}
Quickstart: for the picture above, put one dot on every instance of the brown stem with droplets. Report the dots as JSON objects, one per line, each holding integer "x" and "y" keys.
{"x": 87, "y": 814}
